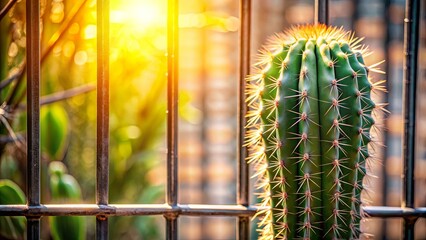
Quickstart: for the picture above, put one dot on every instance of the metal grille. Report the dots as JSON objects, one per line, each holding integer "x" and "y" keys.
{"x": 171, "y": 210}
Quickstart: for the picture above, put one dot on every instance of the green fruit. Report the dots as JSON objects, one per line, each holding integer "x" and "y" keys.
{"x": 11, "y": 227}
{"x": 308, "y": 133}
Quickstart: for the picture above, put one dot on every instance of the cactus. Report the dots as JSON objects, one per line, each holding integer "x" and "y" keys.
{"x": 308, "y": 132}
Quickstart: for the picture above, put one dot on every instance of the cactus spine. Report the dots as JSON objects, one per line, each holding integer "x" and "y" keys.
{"x": 308, "y": 132}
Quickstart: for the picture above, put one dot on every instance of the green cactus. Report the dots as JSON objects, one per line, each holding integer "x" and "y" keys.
{"x": 308, "y": 132}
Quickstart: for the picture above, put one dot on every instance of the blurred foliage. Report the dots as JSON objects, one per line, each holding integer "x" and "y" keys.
{"x": 11, "y": 227}
{"x": 68, "y": 126}
{"x": 65, "y": 189}
{"x": 54, "y": 131}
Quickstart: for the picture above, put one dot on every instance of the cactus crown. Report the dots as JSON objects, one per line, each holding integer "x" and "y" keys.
{"x": 308, "y": 132}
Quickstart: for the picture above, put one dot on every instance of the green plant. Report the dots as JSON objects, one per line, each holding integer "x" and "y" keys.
{"x": 11, "y": 227}
{"x": 309, "y": 132}
{"x": 54, "y": 131}
{"x": 68, "y": 111}
{"x": 65, "y": 189}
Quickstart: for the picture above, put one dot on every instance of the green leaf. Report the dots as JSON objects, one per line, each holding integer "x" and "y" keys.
{"x": 54, "y": 129}
{"x": 64, "y": 228}
{"x": 11, "y": 193}
{"x": 65, "y": 189}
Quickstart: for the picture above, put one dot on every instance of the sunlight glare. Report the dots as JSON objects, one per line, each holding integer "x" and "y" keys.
{"x": 143, "y": 13}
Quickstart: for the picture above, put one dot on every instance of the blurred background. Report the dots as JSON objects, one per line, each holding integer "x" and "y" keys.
{"x": 208, "y": 100}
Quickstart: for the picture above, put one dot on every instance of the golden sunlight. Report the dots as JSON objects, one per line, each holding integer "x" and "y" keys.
{"x": 141, "y": 13}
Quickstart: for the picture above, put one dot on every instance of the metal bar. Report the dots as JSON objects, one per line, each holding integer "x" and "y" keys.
{"x": 243, "y": 226}
{"x": 171, "y": 227}
{"x": 204, "y": 89}
{"x": 101, "y": 227}
{"x": 321, "y": 11}
{"x": 386, "y": 135}
{"x": 33, "y": 102}
{"x": 126, "y": 210}
{"x": 33, "y": 113}
{"x": 172, "y": 101}
{"x": 33, "y": 227}
{"x": 102, "y": 154}
{"x": 181, "y": 209}
{"x": 172, "y": 116}
{"x": 355, "y": 15}
{"x": 411, "y": 43}
{"x": 218, "y": 210}
{"x": 394, "y": 212}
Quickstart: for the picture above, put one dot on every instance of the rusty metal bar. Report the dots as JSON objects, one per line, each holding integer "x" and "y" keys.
{"x": 33, "y": 114}
{"x": 411, "y": 48}
{"x": 127, "y": 210}
{"x": 102, "y": 154}
{"x": 321, "y": 11}
{"x": 243, "y": 225}
{"x": 172, "y": 116}
{"x": 181, "y": 209}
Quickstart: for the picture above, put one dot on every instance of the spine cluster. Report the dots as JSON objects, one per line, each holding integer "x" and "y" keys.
{"x": 308, "y": 132}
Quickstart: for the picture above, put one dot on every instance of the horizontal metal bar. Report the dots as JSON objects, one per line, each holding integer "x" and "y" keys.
{"x": 180, "y": 209}
{"x": 82, "y": 210}
{"x": 394, "y": 212}
{"x": 218, "y": 210}
{"x": 126, "y": 210}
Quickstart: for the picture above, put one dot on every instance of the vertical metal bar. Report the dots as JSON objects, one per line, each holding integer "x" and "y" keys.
{"x": 171, "y": 228}
{"x": 385, "y": 178}
{"x": 204, "y": 131}
{"x": 411, "y": 42}
{"x": 321, "y": 11}
{"x": 172, "y": 115}
{"x": 33, "y": 228}
{"x": 33, "y": 113}
{"x": 102, "y": 154}
{"x": 355, "y": 14}
{"x": 101, "y": 227}
{"x": 243, "y": 226}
